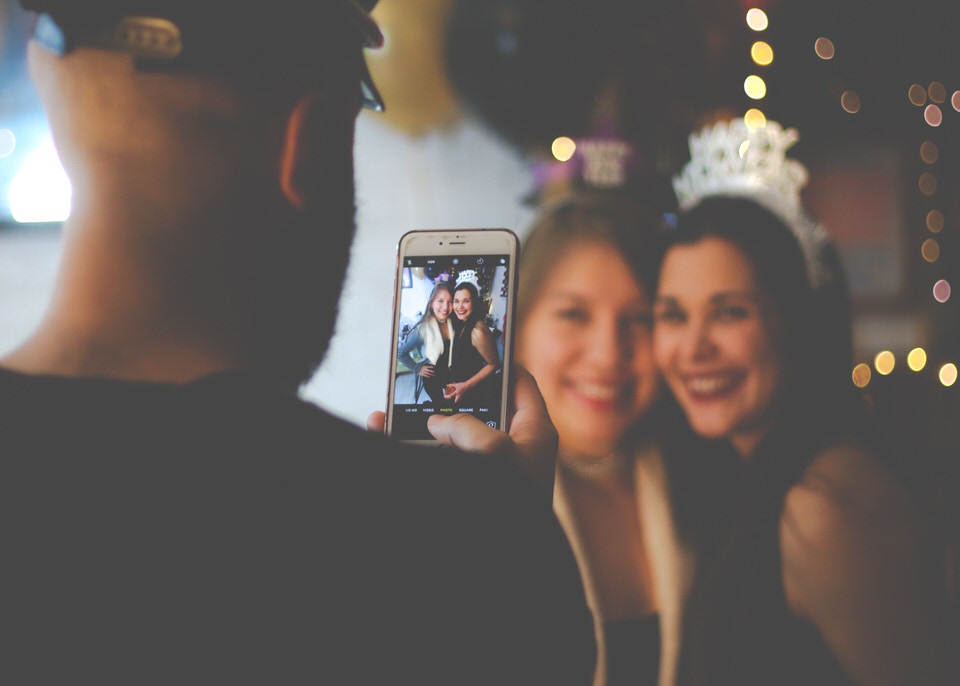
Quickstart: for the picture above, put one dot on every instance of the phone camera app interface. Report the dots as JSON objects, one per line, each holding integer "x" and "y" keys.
{"x": 450, "y": 340}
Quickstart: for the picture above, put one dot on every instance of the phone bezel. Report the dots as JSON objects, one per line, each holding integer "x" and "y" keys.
{"x": 450, "y": 243}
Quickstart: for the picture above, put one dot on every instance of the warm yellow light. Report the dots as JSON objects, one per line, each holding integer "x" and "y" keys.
{"x": 948, "y": 374}
{"x": 935, "y": 221}
{"x": 757, "y": 19}
{"x": 754, "y": 87}
{"x": 861, "y": 375}
{"x": 754, "y": 118}
{"x": 563, "y": 148}
{"x": 762, "y": 53}
{"x": 917, "y": 359}
{"x": 884, "y": 362}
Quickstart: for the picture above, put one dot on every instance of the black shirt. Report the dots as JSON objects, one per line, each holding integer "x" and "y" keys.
{"x": 226, "y": 532}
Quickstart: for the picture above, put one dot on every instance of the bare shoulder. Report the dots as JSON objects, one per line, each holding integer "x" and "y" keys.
{"x": 847, "y": 516}
{"x": 845, "y": 480}
{"x": 862, "y": 564}
{"x": 481, "y": 330}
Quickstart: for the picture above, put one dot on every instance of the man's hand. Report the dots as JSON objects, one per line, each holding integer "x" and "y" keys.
{"x": 532, "y": 438}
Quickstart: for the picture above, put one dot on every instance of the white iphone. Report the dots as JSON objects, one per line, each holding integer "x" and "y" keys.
{"x": 452, "y": 338}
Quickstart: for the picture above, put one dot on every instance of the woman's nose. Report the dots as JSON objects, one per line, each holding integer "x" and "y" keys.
{"x": 700, "y": 343}
{"x": 610, "y": 343}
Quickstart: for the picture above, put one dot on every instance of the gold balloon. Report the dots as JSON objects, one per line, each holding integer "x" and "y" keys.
{"x": 409, "y": 69}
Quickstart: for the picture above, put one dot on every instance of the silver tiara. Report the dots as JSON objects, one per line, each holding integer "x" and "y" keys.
{"x": 733, "y": 158}
{"x": 469, "y": 276}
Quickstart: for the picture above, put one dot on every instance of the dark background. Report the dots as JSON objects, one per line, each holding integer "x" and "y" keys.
{"x": 537, "y": 69}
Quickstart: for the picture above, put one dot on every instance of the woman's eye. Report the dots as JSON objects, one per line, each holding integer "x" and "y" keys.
{"x": 573, "y": 315}
{"x": 732, "y": 313}
{"x": 669, "y": 315}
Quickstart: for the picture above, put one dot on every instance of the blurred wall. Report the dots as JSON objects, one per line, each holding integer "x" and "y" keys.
{"x": 424, "y": 163}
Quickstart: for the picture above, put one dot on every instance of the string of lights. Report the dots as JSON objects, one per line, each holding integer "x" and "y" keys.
{"x": 933, "y": 102}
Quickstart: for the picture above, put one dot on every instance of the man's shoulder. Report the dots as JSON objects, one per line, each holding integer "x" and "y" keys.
{"x": 291, "y": 532}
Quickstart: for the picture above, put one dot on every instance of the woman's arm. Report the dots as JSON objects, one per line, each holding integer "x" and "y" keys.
{"x": 412, "y": 356}
{"x": 861, "y": 564}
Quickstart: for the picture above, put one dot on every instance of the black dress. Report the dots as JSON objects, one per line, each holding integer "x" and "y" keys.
{"x": 433, "y": 385}
{"x": 632, "y": 651}
{"x": 467, "y": 361}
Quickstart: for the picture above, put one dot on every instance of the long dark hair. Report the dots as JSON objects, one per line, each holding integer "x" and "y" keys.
{"x": 729, "y": 508}
{"x": 816, "y": 400}
{"x": 479, "y": 312}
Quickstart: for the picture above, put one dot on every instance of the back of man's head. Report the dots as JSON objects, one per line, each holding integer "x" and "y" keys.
{"x": 231, "y": 208}
{"x": 204, "y": 35}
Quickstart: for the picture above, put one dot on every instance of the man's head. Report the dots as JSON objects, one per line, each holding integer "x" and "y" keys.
{"x": 222, "y": 134}
{"x": 214, "y": 35}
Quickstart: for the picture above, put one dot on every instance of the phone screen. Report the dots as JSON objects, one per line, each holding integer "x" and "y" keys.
{"x": 451, "y": 320}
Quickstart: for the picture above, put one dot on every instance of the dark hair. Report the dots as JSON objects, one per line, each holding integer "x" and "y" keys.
{"x": 728, "y": 507}
{"x": 476, "y": 315}
{"x": 213, "y": 34}
{"x": 814, "y": 338}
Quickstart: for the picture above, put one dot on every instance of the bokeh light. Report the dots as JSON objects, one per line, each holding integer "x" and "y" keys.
{"x": 850, "y": 102}
{"x": 929, "y": 152}
{"x": 932, "y": 115}
{"x": 757, "y": 19}
{"x": 917, "y": 359}
{"x": 761, "y": 53}
{"x": 937, "y": 92}
{"x": 754, "y": 87}
{"x": 930, "y": 250}
{"x": 563, "y": 148}
{"x": 941, "y": 291}
{"x": 948, "y": 374}
{"x": 861, "y": 375}
{"x": 824, "y": 48}
{"x": 917, "y": 95}
{"x": 935, "y": 221}
{"x": 955, "y": 100}
{"x": 927, "y": 183}
{"x": 754, "y": 118}
{"x": 884, "y": 362}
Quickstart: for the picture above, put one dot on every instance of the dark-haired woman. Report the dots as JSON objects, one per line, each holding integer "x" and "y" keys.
{"x": 815, "y": 564}
{"x": 475, "y": 365}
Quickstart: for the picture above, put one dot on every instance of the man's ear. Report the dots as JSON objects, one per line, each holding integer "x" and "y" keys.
{"x": 302, "y": 158}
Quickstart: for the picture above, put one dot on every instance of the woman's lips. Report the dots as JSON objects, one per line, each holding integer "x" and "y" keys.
{"x": 598, "y": 391}
{"x": 714, "y": 385}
